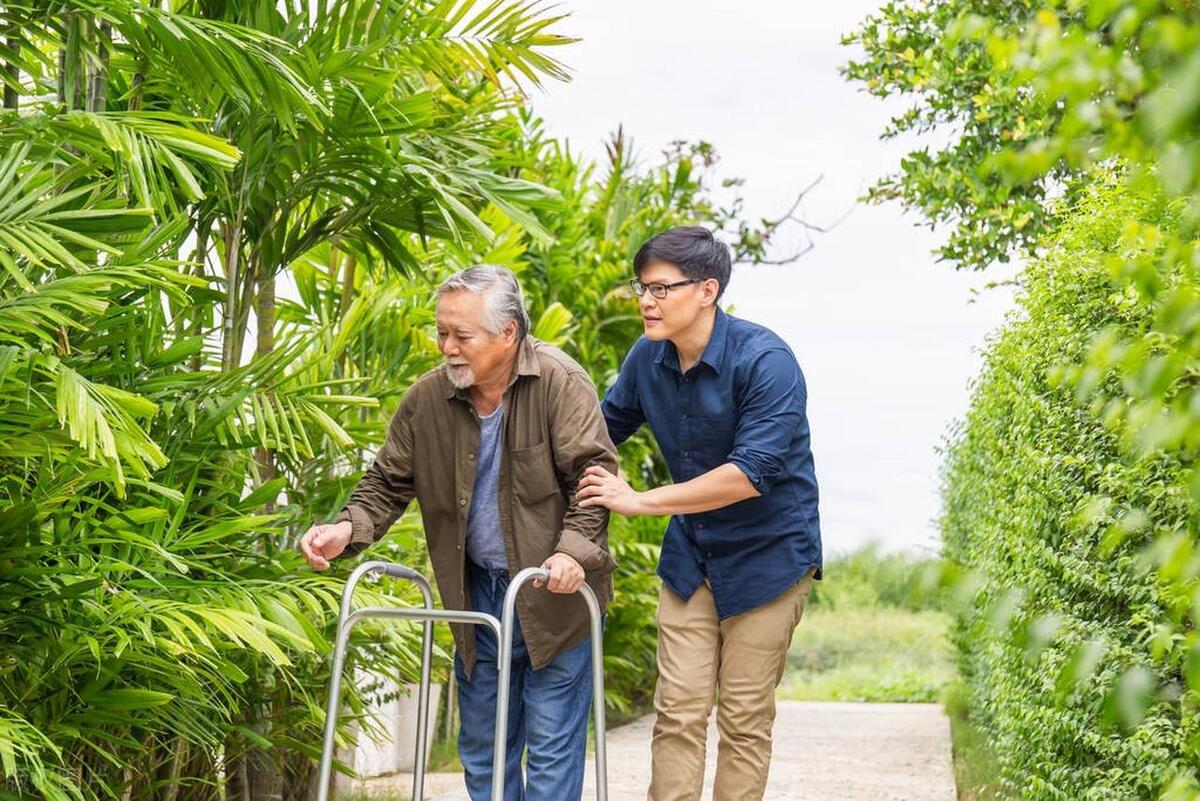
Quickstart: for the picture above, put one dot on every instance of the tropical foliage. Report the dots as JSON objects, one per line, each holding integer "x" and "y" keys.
{"x": 161, "y": 166}
{"x": 176, "y": 177}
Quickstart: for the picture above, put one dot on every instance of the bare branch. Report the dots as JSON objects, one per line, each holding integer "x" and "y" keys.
{"x": 754, "y": 242}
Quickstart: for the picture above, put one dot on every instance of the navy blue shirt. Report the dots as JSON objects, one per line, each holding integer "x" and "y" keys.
{"x": 743, "y": 402}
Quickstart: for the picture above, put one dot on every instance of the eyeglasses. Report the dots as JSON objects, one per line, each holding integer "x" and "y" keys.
{"x": 658, "y": 290}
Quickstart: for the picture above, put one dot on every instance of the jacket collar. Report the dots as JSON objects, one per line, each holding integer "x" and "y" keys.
{"x": 714, "y": 351}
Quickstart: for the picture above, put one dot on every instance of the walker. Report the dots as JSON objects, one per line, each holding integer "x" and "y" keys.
{"x": 503, "y": 629}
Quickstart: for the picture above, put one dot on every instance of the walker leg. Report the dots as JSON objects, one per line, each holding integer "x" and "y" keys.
{"x": 504, "y": 660}
{"x": 423, "y": 712}
{"x": 339, "y": 659}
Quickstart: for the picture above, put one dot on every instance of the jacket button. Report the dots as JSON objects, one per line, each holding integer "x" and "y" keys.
{"x": 471, "y": 456}
{"x": 462, "y": 501}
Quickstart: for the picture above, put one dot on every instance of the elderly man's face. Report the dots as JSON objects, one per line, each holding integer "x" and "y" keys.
{"x": 473, "y": 354}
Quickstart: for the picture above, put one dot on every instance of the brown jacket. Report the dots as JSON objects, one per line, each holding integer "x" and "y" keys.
{"x": 552, "y": 431}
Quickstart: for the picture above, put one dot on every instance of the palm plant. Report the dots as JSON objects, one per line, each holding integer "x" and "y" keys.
{"x": 161, "y": 166}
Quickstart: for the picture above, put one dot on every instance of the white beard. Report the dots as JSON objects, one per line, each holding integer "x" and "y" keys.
{"x": 461, "y": 376}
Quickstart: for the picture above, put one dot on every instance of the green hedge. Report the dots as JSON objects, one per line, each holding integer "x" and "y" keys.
{"x": 1071, "y": 666}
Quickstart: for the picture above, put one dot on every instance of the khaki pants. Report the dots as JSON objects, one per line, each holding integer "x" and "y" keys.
{"x": 741, "y": 659}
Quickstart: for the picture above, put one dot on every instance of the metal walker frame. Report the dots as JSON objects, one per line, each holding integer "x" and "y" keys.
{"x": 502, "y": 628}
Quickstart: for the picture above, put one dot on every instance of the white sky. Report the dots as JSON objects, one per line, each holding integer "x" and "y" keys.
{"x": 887, "y": 338}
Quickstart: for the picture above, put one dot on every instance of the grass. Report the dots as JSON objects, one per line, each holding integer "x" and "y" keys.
{"x": 873, "y": 653}
{"x": 975, "y": 770}
{"x": 443, "y": 756}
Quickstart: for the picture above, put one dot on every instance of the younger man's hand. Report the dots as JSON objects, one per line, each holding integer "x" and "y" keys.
{"x": 598, "y": 487}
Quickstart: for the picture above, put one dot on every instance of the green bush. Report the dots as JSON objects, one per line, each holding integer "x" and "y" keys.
{"x": 1069, "y": 666}
{"x": 1067, "y": 133}
{"x": 869, "y": 577}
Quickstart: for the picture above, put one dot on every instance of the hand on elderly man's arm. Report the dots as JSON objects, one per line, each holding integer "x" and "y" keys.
{"x": 716, "y": 489}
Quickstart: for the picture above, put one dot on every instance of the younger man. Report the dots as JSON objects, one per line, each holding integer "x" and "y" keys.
{"x": 725, "y": 399}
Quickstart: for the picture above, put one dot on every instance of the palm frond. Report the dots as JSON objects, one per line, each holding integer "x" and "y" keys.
{"x": 215, "y": 58}
{"x": 156, "y": 153}
{"x": 502, "y": 41}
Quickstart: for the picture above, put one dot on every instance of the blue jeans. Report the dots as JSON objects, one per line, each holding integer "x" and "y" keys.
{"x": 547, "y": 710}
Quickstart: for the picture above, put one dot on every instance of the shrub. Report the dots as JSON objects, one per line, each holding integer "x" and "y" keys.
{"x": 1062, "y": 649}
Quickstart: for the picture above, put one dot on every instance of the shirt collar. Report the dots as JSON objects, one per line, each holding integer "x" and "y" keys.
{"x": 527, "y": 364}
{"x": 714, "y": 351}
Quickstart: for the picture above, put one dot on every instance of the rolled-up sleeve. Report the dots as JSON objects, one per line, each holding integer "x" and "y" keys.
{"x": 385, "y": 490}
{"x": 770, "y": 412}
{"x": 580, "y": 439}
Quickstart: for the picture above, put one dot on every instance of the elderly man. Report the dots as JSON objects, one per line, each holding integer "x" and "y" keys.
{"x": 491, "y": 444}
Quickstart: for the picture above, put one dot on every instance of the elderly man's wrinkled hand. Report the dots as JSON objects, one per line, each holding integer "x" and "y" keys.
{"x": 322, "y": 543}
{"x": 566, "y": 574}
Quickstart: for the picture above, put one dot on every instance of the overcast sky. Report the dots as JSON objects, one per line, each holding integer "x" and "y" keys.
{"x": 888, "y": 338}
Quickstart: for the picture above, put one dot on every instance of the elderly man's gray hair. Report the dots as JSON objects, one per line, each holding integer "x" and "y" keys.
{"x": 502, "y": 298}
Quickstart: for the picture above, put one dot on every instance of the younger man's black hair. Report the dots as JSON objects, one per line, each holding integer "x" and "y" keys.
{"x": 692, "y": 249}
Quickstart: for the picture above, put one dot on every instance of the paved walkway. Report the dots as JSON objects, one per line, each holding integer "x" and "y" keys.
{"x": 827, "y": 751}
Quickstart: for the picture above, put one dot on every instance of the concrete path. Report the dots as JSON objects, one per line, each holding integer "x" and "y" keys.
{"x": 826, "y": 751}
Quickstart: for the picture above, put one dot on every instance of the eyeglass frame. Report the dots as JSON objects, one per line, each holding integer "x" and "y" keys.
{"x": 666, "y": 288}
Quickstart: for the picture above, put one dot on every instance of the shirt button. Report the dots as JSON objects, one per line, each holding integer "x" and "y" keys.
{"x": 710, "y": 554}
{"x": 686, "y": 454}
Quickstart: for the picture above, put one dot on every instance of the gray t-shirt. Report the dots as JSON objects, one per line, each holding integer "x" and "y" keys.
{"x": 485, "y": 541}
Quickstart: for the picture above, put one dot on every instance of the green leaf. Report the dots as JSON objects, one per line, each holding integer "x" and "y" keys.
{"x": 130, "y": 698}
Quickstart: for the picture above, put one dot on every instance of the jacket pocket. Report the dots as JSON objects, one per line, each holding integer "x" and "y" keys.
{"x": 533, "y": 476}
